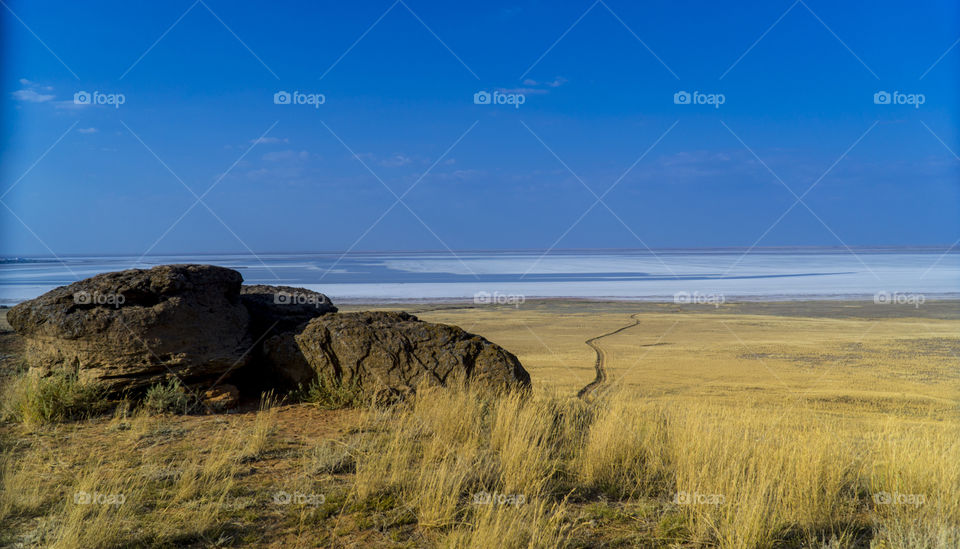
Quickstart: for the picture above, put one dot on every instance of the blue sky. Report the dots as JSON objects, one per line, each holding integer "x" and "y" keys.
{"x": 598, "y": 82}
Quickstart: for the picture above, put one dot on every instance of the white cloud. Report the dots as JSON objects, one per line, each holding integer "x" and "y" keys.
{"x": 34, "y": 85}
{"x": 32, "y": 96}
{"x": 395, "y": 161}
{"x": 33, "y": 92}
{"x": 87, "y": 130}
{"x": 267, "y": 140}
{"x": 532, "y": 87}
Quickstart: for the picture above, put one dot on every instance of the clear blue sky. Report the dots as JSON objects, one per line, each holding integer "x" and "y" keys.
{"x": 198, "y": 81}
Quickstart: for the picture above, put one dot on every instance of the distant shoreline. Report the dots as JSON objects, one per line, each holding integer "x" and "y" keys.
{"x": 696, "y": 277}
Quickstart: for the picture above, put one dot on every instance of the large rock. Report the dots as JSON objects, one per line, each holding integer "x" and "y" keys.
{"x": 392, "y": 351}
{"x": 131, "y": 329}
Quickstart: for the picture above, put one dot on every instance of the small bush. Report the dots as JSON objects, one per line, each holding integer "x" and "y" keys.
{"x": 332, "y": 457}
{"x": 330, "y": 394}
{"x": 58, "y": 397}
{"x": 171, "y": 398}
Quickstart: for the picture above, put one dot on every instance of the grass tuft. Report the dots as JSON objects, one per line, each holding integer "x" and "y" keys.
{"x": 169, "y": 398}
{"x": 36, "y": 401}
{"x": 329, "y": 394}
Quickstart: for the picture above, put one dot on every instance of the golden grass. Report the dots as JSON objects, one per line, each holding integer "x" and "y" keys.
{"x": 861, "y": 365}
{"x": 101, "y": 495}
{"x": 784, "y": 432}
{"x": 35, "y": 401}
{"x": 465, "y": 469}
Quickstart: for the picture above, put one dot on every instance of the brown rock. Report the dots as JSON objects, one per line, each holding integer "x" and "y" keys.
{"x": 281, "y": 364}
{"x": 221, "y": 397}
{"x": 398, "y": 353}
{"x": 131, "y": 329}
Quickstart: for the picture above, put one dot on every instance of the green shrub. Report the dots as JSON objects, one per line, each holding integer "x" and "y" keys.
{"x": 169, "y": 398}
{"x": 330, "y": 394}
{"x": 57, "y": 397}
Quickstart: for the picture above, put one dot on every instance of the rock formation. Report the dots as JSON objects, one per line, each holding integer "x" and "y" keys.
{"x": 392, "y": 351}
{"x": 132, "y": 329}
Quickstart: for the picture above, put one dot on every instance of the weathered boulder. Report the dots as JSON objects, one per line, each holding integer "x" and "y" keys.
{"x": 280, "y": 364}
{"x": 134, "y": 328}
{"x": 392, "y": 351}
{"x": 281, "y": 308}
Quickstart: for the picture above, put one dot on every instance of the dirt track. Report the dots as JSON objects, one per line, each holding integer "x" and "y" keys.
{"x": 601, "y": 357}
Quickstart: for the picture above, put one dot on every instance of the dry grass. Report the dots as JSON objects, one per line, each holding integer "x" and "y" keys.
{"x": 794, "y": 432}
{"x": 36, "y": 401}
{"x": 908, "y": 360}
{"x": 115, "y": 492}
{"x": 735, "y": 479}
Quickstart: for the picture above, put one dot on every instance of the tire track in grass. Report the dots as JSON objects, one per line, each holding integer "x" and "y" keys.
{"x": 601, "y": 358}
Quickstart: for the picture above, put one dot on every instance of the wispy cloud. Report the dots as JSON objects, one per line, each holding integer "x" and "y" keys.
{"x": 268, "y": 140}
{"x": 32, "y": 96}
{"x": 87, "y": 130}
{"x": 394, "y": 160}
{"x": 31, "y": 92}
{"x": 458, "y": 175}
{"x": 34, "y": 85}
{"x": 533, "y": 87}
